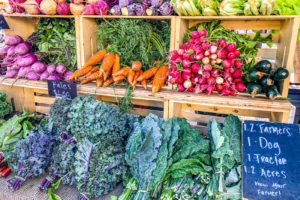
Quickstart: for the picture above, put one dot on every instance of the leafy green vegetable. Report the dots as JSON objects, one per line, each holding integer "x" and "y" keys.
{"x": 135, "y": 39}
{"x": 55, "y": 41}
{"x": 5, "y": 107}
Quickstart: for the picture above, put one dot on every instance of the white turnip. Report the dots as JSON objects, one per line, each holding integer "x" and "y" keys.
{"x": 213, "y": 49}
{"x": 205, "y": 60}
{"x": 207, "y": 53}
{"x": 213, "y": 56}
{"x": 76, "y": 9}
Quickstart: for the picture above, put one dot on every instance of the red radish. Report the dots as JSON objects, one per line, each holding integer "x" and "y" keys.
{"x": 233, "y": 92}
{"x": 213, "y": 49}
{"x": 205, "y": 60}
{"x": 186, "y": 63}
{"x": 169, "y": 72}
{"x": 179, "y": 80}
{"x": 173, "y": 55}
{"x": 194, "y": 80}
{"x": 198, "y": 89}
{"x": 226, "y": 84}
{"x": 227, "y": 63}
{"x": 191, "y": 89}
{"x": 206, "y": 74}
{"x": 180, "y": 88}
{"x": 198, "y": 49}
{"x": 203, "y": 87}
{"x": 223, "y": 43}
{"x": 187, "y": 71}
{"x": 62, "y": 8}
{"x": 237, "y": 80}
{"x": 237, "y": 53}
{"x": 215, "y": 73}
{"x": 180, "y": 52}
{"x": 178, "y": 59}
{"x": 186, "y": 56}
{"x": 211, "y": 81}
{"x": 207, "y": 53}
{"x": 199, "y": 56}
{"x": 231, "y": 70}
{"x": 227, "y": 70}
{"x": 187, "y": 84}
{"x": 240, "y": 87}
{"x": 172, "y": 81}
{"x": 201, "y": 80}
{"x": 198, "y": 41}
{"x": 195, "y": 34}
{"x": 219, "y": 87}
{"x": 215, "y": 44}
{"x": 231, "y": 62}
{"x": 184, "y": 46}
{"x": 171, "y": 62}
{"x": 191, "y": 46}
{"x": 229, "y": 79}
{"x": 186, "y": 76}
{"x": 191, "y": 51}
{"x": 174, "y": 67}
{"x": 225, "y": 92}
{"x": 219, "y": 80}
{"x": 207, "y": 67}
{"x": 176, "y": 75}
{"x": 222, "y": 54}
{"x": 195, "y": 68}
{"x": 202, "y": 32}
{"x": 191, "y": 40}
{"x": 232, "y": 87}
{"x": 203, "y": 39}
{"x": 205, "y": 45}
{"x": 231, "y": 55}
{"x": 238, "y": 64}
{"x": 231, "y": 47}
{"x": 210, "y": 89}
{"x": 213, "y": 56}
{"x": 237, "y": 73}
{"x": 219, "y": 60}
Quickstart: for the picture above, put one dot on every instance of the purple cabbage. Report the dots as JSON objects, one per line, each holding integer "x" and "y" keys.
{"x": 146, "y": 2}
{"x": 140, "y": 9}
{"x": 156, "y": 3}
{"x": 129, "y": 10}
{"x": 151, "y": 11}
{"x": 101, "y": 8}
{"x": 115, "y": 10}
{"x": 125, "y": 3}
{"x": 166, "y": 9}
{"x": 22, "y": 48}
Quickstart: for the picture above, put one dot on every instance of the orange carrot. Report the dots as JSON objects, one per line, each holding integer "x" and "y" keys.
{"x": 108, "y": 82}
{"x": 99, "y": 82}
{"x": 107, "y": 64}
{"x": 124, "y": 71}
{"x": 159, "y": 78}
{"x": 96, "y": 68}
{"x": 116, "y": 66}
{"x": 147, "y": 74}
{"x": 136, "y": 66}
{"x": 137, "y": 74}
{"x": 156, "y": 62}
{"x": 130, "y": 77}
{"x": 97, "y": 57}
{"x": 81, "y": 72}
{"x": 144, "y": 83}
{"x": 118, "y": 79}
{"x": 92, "y": 77}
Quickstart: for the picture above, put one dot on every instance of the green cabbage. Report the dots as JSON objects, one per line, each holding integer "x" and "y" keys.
{"x": 232, "y": 7}
{"x": 208, "y": 7}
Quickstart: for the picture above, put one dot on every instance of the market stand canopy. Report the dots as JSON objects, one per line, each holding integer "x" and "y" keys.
{"x": 271, "y": 157}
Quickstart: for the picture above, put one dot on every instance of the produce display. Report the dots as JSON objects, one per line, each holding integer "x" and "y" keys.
{"x": 5, "y": 107}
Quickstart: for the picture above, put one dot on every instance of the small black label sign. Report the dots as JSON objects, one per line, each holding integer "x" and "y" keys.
{"x": 271, "y": 156}
{"x": 3, "y": 23}
{"x": 62, "y": 89}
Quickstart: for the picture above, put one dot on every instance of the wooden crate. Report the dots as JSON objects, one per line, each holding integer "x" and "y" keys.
{"x": 297, "y": 64}
{"x": 34, "y": 96}
{"x": 88, "y": 32}
{"x": 24, "y": 25}
{"x": 285, "y": 41}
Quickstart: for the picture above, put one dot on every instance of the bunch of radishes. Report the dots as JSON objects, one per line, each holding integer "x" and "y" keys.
{"x": 22, "y": 63}
{"x": 201, "y": 66}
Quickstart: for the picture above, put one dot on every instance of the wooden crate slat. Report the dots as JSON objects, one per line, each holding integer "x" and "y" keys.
{"x": 269, "y": 54}
{"x": 145, "y": 112}
{"x": 43, "y": 109}
{"x": 44, "y": 100}
{"x": 201, "y": 117}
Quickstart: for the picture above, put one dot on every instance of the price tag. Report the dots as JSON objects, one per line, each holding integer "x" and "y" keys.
{"x": 62, "y": 89}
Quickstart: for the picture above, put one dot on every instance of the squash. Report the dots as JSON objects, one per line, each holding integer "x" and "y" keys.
{"x": 281, "y": 74}
{"x": 255, "y": 76}
{"x": 254, "y": 88}
{"x": 264, "y": 66}
{"x": 267, "y": 81}
{"x": 272, "y": 93}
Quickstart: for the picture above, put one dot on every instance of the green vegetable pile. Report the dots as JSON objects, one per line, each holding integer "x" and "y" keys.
{"x": 5, "y": 107}
{"x": 135, "y": 39}
{"x": 55, "y": 42}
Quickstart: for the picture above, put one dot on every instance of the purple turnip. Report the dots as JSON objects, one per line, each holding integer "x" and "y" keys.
{"x": 22, "y": 48}
{"x": 146, "y": 2}
{"x": 33, "y": 76}
{"x": 89, "y": 9}
{"x": 67, "y": 76}
{"x": 61, "y": 69}
{"x": 129, "y": 10}
{"x": 3, "y": 51}
{"x": 55, "y": 77}
{"x": 125, "y": 3}
{"x": 140, "y": 9}
{"x": 44, "y": 76}
{"x": 26, "y": 60}
{"x": 11, "y": 51}
{"x": 38, "y": 67}
{"x": 11, "y": 73}
{"x": 11, "y": 40}
{"x": 51, "y": 69}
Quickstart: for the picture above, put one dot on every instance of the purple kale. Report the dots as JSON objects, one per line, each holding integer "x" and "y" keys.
{"x": 140, "y": 9}
{"x": 156, "y": 3}
{"x": 115, "y": 10}
{"x": 129, "y": 10}
{"x": 151, "y": 11}
{"x": 166, "y": 9}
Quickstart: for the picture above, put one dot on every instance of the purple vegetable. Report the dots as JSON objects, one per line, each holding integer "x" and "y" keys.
{"x": 124, "y": 3}
{"x": 44, "y": 76}
{"x": 38, "y": 67}
{"x": 55, "y": 77}
{"x": 115, "y": 10}
{"x": 101, "y": 8}
{"x": 27, "y": 59}
{"x": 156, "y": 3}
{"x": 146, "y": 2}
{"x": 112, "y": 2}
{"x": 22, "y": 48}
{"x": 22, "y": 72}
{"x": 129, "y": 10}
{"x": 11, "y": 73}
{"x": 151, "y": 11}
{"x": 11, "y": 40}
{"x": 61, "y": 69}
{"x": 166, "y": 9}
{"x": 16, "y": 67}
{"x": 63, "y": 8}
{"x": 3, "y": 51}
{"x": 51, "y": 69}
{"x": 89, "y": 9}
{"x": 67, "y": 76}
{"x": 6, "y": 62}
{"x": 140, "y": 9}
{"x": 33, "y": 76}
{"x": 11, "y": 51}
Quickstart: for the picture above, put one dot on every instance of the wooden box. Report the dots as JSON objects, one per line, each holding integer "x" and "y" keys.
{"x": 284, "y": 42}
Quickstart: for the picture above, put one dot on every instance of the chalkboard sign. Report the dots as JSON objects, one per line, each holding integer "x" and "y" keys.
{"x": 271, "y": 156}
{"x": 62, "y": 89}
{"x": 3, "y": 23}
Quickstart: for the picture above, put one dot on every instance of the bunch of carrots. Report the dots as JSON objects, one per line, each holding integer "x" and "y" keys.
{"x": 109, "y": 72}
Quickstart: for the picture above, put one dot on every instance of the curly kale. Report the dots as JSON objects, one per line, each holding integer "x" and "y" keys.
{"x": 5, "y": 107}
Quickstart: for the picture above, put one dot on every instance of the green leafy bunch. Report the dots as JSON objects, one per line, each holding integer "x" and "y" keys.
{"x": 5, "y": 107}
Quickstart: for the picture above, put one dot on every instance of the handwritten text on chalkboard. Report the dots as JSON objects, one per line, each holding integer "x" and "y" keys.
{"x": 62, "y": 89}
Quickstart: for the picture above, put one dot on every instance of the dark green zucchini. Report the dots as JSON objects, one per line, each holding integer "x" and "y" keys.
{"x": 264, "y": 66}
{"x": 255, "y": 76}
{"x": 254, "y": 88}
{"x": 272, "y": 93}
{"x": 267, "y": 81}
{"x": 281, "y": 74}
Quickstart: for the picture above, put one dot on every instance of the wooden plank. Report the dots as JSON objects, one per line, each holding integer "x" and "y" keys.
{"x": 297, "y": 64}
{"x": 181, "y": 28}
{"x": 41, "y": 91}
{"x": 28, "y": 100}
{"x": 17, "y": 93}
{"x": 145, "y": 112}
{"x": 44, "y": 100}
{"x": 38, "y": 16}
{"x": 166, "y": 110}
{"x": 174, "y": 109}
{"x": 173, "y": 33}
{"x": 23, "y": 27}
{"x": 201, "y": 117}
{"x": 43, "y": 109}
{"x": 78, "y": 44}
{"x": 269, "y": 53}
